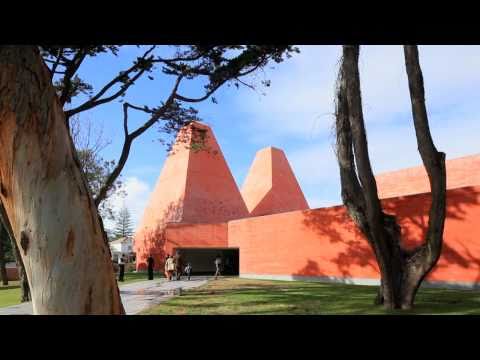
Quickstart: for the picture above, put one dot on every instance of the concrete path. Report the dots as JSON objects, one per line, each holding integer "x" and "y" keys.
{"x": 136, "y": 296}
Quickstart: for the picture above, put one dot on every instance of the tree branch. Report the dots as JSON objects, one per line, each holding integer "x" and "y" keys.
{"x": 218, "y": 85}
{"x": 359, "y": 136}
{"x": 352, "y": 193}
{"x": 70, "y": 70}
{"x": 130, "y": 137}
{"x": 94, "y": 101}
{"x": 57, "y": 62}
{"x": 433, "y": 161}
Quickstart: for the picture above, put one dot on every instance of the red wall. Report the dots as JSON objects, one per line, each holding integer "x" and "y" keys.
{"x": 178, "y": 235}
{"x": 196, "y": 236}
{"x": 12, "y": 274}
{"x": 325, "y": 242}
{"x": 461, "y": 172}
{"x": 193, "y": 187}
{"x": 270, "y": 186}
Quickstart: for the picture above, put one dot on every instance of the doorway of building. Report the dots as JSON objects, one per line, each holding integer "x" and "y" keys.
{"x": 203, "y": 260}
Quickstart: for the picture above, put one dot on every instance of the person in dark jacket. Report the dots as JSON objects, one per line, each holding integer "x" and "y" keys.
{"x": 150, "y": 263}
{"x": 178, "y": 265}
{"x": 121, "y": 266}
{"x": 188, "y": 270}
{"x": 218, "y": 266}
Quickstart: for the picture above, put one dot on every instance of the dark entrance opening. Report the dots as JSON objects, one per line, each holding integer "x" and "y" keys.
{"x": 203, "y": 260}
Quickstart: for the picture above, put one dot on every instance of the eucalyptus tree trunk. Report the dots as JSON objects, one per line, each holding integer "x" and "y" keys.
{"x": 401, "y": 271}
{"x": 45, "y": 198}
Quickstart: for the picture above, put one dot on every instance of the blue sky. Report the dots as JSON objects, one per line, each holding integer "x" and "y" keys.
{"x": 296, "y": 115}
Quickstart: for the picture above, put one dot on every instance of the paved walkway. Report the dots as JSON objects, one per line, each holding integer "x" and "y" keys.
{"x": 136, "y": 296}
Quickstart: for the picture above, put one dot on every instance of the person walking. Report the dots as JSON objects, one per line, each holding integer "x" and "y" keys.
{"x": 150, "y": 263}
{"x": 218, "y": 263}
{"x": 188, "y": 270}
{"x": 165, "y": 265}
{"x": 170, "y": 267}
{"x": 121, "y": 268}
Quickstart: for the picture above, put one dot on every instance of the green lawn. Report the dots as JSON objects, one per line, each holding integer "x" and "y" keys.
{"x": 141, "y": 276}
{"x": 230, "y": 296}
{"x": 10, "y": 295}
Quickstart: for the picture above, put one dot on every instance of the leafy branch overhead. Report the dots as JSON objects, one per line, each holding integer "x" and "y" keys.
{"x": 214, "y": 65}
{"x": 217, "y": 64}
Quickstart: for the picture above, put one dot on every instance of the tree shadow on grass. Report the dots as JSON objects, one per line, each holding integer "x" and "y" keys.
{"x": 317, "y": 298}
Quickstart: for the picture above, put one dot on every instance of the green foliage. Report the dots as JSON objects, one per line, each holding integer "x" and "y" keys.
{"x": 6, "y": 244}
{"x": 123, "y": 226}
{"x": 96, "y": 171}
{"x": 215, "y": 64}
{"x": 10, "y": 294}
{"x": 65, "y": 58}
{"x": 78, "y": 86}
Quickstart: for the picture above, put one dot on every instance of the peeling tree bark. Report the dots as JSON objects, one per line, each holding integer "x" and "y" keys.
{"x": 49, "y": 210}
{"x": 401, "y": 272}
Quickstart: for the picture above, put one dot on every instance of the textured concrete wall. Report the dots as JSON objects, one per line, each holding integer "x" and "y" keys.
{"x": 270, "y": 186}
{"x": 196, "y": 236}
{"x": 211, "y": 193}
{"x": 325, "y": 243}
{"x": 196, "y": 203}
{"x": 461, "y": 172}
{"x": 195, "y": 186}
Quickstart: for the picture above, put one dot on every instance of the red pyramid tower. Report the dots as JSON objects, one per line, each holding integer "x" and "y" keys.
{"x": 271, "y": 186}
{"x": 195, "y": 186}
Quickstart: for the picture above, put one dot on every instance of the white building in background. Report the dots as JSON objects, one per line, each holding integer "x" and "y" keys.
{"x": 122, "y": 246}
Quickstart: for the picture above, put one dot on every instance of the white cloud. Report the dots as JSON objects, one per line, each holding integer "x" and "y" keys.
{"x": 302, "y": 92}
{"x": 297, "y": 111}
{"x": 136, "y": 199}
{"x": 299, "y": 97}
{"x": 390, "y": 148}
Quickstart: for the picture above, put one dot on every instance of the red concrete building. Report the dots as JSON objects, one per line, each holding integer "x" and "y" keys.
{"x": 268, "y": 231}
{"x": 271, "y": 186}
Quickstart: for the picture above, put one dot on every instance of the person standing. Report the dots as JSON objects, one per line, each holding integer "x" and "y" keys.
{"x": 165, "y": 265}
{"x": 121, "y": 268}
{"x": 188, "y": 270}
{"x": 218, "y": 263}
{"x": 170, "y": 267}
{"x": 150, "y": 263}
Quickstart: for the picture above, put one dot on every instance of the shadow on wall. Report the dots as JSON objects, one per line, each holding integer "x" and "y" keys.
{"x": 412, "y": 214}
{"x": 336, "y": 225}
{"x": 312, "y": 270}
{"x": 154, "y": 240}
